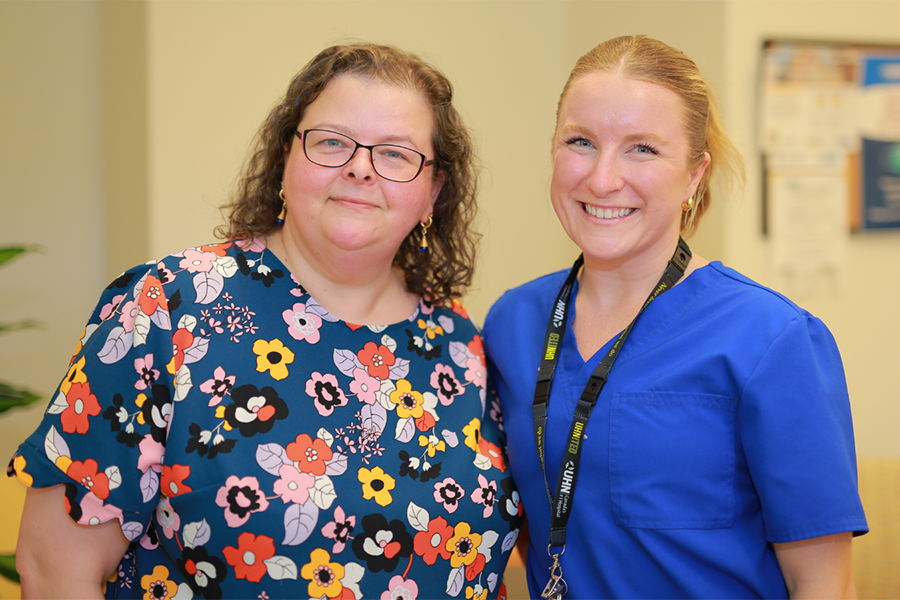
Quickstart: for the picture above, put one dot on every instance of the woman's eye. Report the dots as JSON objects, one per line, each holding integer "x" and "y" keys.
{"x": 578, "y": 142}
{"x": 645, "y": 149}
{"x": 333, "y": 143}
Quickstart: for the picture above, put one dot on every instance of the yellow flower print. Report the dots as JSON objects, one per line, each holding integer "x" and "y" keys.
{"x": 157, "y": 585}
{"x": 19, "y": 465}
{"x": 433, "y": 443}
{"x": 324, "y": 576}
{"x": 141, "y": 398}
{"x": 376, "y": 484}
{"x": 476, "y": 593}
{"x": 409, "y": 403}
{"x": 75, "y": 375}
{"x": 272, "y": 357}
{"x": 431, "y": 328}
{"x": 472, "y": 431}
{"x": 463, "y": 546}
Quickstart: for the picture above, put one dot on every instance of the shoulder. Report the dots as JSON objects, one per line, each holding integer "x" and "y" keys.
{"x": 532, "y": 297}
{"x": 732, "y": 290}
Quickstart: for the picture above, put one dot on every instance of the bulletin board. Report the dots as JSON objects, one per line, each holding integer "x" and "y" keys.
{"x": 830, "y": 135}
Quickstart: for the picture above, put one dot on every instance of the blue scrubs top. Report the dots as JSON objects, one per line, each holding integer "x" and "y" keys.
{"x": 724, "y": 426}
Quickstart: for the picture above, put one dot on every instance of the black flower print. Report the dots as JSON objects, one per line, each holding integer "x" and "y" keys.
{"x": 419, "y": 345}
{"x": 382, "y": 544}
{"x": 207, "y": 443}
{"x": 258, "y": 272}
{"x": 122, "y": 281}
{"x": 202, "y": 572}
{"x": 117, "y": 417}
{"x": 253, "y": 410}
{"x": 510, "y": 505}
{"x": 410, "y": 465}
{"x": 406, "y": 465}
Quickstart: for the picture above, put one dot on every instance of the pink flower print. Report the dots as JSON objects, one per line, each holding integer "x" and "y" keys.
{"x": 240, "y": 498}
{"x": 445, "y": 382}
{"x": 129, "y": 312}
{"x": 163, "y": 272}
{"x": 195, "y": 261}
{"x": 293, "y": 485}
{"x": 485, "y": 494}
{"x": 167, "y": 518}
{"x": 94, "y": 511}
{"x": 449, "y": 493}
{"x": 215, "y": 325}
{"x": 476, "y": 372}
{"x": 364, "y": 386}
{"x": 148, "y": 375}
{"x": 325, "y": 391}
{"x": 108, "y": 309}
{"x": 218, "y": 386}
{"x": 339, "y": 530}
{"x": 400, "y": 589}
{"x": 151, "y": 454}
{"x": 302, "y": 325}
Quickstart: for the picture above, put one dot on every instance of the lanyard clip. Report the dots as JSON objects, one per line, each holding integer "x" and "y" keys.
{"x": 544, "y": 381}
{"x": 556, "y": 588}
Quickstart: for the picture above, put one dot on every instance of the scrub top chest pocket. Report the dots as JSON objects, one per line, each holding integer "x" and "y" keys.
{"x": 672, "y": 460}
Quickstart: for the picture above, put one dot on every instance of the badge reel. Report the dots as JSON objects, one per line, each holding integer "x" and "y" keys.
{"x": 556, "y": 587}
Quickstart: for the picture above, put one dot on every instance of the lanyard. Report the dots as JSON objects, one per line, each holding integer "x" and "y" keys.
{"x": 568, "y": 473}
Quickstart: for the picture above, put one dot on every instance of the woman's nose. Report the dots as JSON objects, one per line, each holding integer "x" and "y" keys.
{"x": 605, "y": 177}
{"x": 360, "y": 165}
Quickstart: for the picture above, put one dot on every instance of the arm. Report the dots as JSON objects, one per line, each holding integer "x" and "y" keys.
{"x": 818, "y": 567}
{"x": 58, "y": 558}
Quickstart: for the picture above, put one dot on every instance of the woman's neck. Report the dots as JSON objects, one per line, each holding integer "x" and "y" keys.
{"x": 352, "y": 286}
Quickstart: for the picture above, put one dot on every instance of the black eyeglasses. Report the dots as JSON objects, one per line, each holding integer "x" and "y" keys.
{"x": 332, "y": 149}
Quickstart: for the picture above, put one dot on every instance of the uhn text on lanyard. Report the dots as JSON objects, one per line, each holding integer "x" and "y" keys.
{"x": 568, "y": 472}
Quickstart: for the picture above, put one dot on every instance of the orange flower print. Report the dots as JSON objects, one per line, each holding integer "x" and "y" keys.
{"x": 157, "y": 585}
{"x": 476, "y": 347}
{"x": 492, "y": 451}
{"x": 248, "y": 559}
{"x": 82, "y": 405}
{"x": 86, "y": 474}
{"x": 377, "y": 360}
{"x": 172, "y": 480}
{"x": 323, "y": 575}
{"x": 310, "y": 454}
{"x": 152, "y": 296}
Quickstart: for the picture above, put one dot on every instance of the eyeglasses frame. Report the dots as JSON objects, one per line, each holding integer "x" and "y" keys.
{"x": 302, "y": 136}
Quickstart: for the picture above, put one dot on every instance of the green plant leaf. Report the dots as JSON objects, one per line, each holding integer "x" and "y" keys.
{"x": 11, "y": 397}
{"x": 8, "y": 567}
{"x": 7, "y": 253}
{"x": 17, "y": 325}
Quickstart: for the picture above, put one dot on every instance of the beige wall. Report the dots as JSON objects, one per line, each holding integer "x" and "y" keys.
{"x": 124, "y": 125}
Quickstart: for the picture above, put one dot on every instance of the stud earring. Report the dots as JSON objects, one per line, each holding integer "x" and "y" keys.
{"x": 283, "y": 214}
{"x": 686, "y": 206}
{"x": 423, "y": 245}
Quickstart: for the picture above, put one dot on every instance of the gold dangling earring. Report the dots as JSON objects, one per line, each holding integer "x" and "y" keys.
{"x": 423, "y": 245}
{"x": 686, "y": 206}
{"x": 281, "y": 217}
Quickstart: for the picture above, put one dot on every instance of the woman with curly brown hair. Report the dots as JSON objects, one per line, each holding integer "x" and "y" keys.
{"x": 302, "y": 409}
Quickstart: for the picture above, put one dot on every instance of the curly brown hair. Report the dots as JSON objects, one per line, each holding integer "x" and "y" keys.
{"x": 646, "y": 59}
{"x": 446, "y": 269}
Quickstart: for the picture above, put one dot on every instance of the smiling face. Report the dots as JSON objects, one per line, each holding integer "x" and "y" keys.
{"x": 351, "y": 208}
{"x": 621, "y": 169}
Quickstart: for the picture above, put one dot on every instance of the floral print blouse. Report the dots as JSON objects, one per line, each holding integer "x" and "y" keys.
{"x": 252, "y": 445}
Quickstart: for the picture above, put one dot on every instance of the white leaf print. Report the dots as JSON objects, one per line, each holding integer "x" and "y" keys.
{"x": 337, "y": 465}
{"x": 162, "y": 319}
{"x": 197, "y": 533}
{"x": 132, "y": 530}
{"x": 326, "y": 437}
{"x": 488, "y": 539}
{"x": 376, "y": 328}
{"x": 353, "y": 574}
{"x": 417, "y": 517}
{"x": 456, "y": 580}
{"x": 446, "y": 323}
{"x": 141, "y": 328}
{"x": 281, "y": 567}
{"x": 450, "y": 437}
{"x": 383, "y": 395}
{"x": 346, "y": 361}
{"x": 208, "y": 286}
{"x": 149, "y": 485}
{"x": 322, "y": 493}
{"x": 459, "y": 354}
{"x": 390, "y": 343}
{"x": 313, "y": 307}
{"x": 197, "y": 350}
{"x": 59, "y": 404}
{"x": 55, "y": 446}
{"x": 139, "y": 286}
{"x": 374, "y": 418}
{"x": 226, "y": 266}
{"x": 299, "y": 522}
{"x": 187, "y": 322}
{"x": 406, "y": 429}
{"x": 183, "y": 383}
{"x": 482, "y": 462}
{"x": 184, "y": 592}
{"x": 116, "y": 346}
{"x": 509, "y": 541}
{"x": 400, "y": 369}
{"x": 271, "y": 457}
{"x": 114, "y": 475}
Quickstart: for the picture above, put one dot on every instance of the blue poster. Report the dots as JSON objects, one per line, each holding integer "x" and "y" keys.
{"x": 881, "y": 143}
